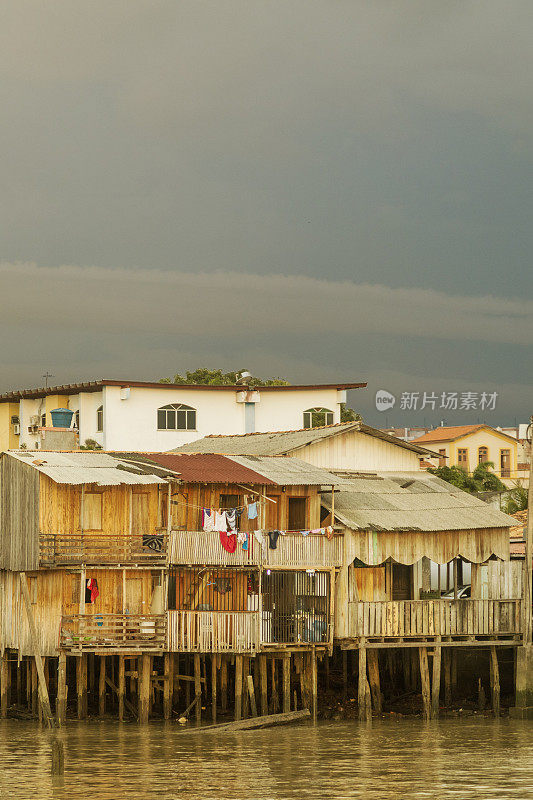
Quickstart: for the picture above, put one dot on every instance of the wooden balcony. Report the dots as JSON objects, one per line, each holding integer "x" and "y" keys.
{"x": 402, "y": 620}
{"x": 213, "y": 631}
{"x": 292, "y": 550}
{"x": 314, "y": 550}
{"x": 110, "y": 633}
{"x": 204, "y": 547}
{"x": 92, "y": 548}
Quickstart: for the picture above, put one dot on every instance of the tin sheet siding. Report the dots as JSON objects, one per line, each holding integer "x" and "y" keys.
{"x": 357, "y": 451}
{"x": 19, "y": 515}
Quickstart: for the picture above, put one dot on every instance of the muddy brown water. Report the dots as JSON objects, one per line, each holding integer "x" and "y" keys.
{"x": 406, "y": 758}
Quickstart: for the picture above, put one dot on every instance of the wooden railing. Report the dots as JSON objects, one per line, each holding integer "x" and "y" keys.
{"x": 414, "y": 618}
{"x": 204, "y": 547}
{"x": 97, "y": 632}
{"x": 213, "y": 631}
{"x": 292, "y": 550}
{"x": 93, "y": 548}
{"x": 314, "y": 550}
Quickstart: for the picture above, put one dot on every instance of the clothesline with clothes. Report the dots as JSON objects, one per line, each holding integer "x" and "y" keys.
{"x": 230, "y": 540}
{"x": 186, "y": 504}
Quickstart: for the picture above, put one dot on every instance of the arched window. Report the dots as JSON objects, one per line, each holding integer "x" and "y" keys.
{"x": 315, "y": 417}
{"x": 483, "y": 454}
{"x": 176, "y": 417}
{"x": 100, "y": 419}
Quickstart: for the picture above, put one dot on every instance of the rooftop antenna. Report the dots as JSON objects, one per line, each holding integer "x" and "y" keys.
{"x": 46, "y": 376}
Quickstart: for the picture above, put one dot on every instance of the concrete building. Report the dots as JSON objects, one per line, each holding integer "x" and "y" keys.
{"x": 135, "y": 415}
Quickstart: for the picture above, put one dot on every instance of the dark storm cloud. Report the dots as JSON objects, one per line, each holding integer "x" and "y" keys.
{"x": 353, "y": 177}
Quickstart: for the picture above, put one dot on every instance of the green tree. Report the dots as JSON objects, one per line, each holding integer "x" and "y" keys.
{"x": 349, "y": 415}
{"x": 481, "y": 479}
{"x": 516, "y": 500}
{"x": 215, "y": 377}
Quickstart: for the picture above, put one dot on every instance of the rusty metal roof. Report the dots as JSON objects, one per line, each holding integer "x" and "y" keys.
{"x": 204, "y": 468}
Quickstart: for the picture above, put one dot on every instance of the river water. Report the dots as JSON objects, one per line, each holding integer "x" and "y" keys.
{"x": 407, "y": 758}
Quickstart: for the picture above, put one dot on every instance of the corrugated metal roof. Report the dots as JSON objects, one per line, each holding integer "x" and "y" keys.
{"x": 205, "y": 468}
{"x": 288, "y": 471}
{"x": 422, "y": 505}
{"x": 85, "y": 467}
{"x": 276, "y": 443}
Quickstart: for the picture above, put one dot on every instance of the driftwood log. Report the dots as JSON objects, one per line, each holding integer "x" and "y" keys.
{"x": 255, "y": 722}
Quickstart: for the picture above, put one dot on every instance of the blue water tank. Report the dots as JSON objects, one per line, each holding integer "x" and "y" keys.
{"x": 61, "y": 417}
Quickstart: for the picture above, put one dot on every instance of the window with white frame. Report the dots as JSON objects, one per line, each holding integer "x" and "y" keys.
{"x": 100, "y": 419}
{"x": 176, "y": 417}
{"x": 316, "y": 417}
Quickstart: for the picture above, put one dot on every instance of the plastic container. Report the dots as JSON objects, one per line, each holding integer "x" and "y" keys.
{"x": 61, "y": 417}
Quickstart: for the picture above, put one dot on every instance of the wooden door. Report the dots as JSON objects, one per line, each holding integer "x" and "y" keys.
{"x": 402, "y": 582}
{"x": 505, "y": 463}
{"x": 297, "y": 513}
{"x": 134, "y": 596}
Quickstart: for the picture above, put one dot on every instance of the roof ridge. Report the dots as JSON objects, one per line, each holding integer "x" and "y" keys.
{"x": 275, "y": 433}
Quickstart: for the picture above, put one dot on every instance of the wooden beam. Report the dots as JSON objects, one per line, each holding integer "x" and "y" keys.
{"x": 81, "y": 685}
{"x": 362, "y": 684}
{"x": 43, "y": 690}
{"x": 224, "y": 683}
{"x": 4, "y": 680}
{"x": 116, "y": 689}
{"x": 168, "y": 680}
{"x": 238, "y": 688}
{"x": 264, "y": 683}
{"x": 314, "y": 686}
{"x": 214, "y": 676}
{"x": 101, "y": 687}
{"x": 253, "y": 723}
{"x": 373, "y": 675}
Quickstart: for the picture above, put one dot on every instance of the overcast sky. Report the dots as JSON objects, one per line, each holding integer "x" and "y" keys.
{"x": 321, "y": 190}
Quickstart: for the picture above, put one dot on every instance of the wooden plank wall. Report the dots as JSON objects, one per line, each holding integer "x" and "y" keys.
{"x": 19, "y": 515}
{"x": 189, "y": 499}
{"x": 497, "y": 580}
{"x": 55, "y": 593}
{"x": 60, "y": 508}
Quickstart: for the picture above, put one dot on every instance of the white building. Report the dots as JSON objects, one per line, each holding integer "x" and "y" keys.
{"x": 133, "y": 415}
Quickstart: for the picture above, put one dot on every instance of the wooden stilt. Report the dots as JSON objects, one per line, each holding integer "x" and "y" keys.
{"x": 19, "y": 683}
{"x": 326, "y": 672}
{"x": 245, "y": 700}
{"x": 264, "y": 683}
{"x": 238, "y": 688}
{"x": 34, "y": 690}
{"x": 91, "y": 676}
{"x": 286, "y": 684}
{"x": 454, "y": 669}
{"x": 435, "y": 683}
{"x": 101, "y": 687}
{"x": 314, "y": 686}
{"x": 81, "y": 685}
{"x": 144, "y": 688}
{"x": 224, "y": 684}
{"x": 214, "y": 688}
{"x": 495, "y": 681}
{"x": 175, "y": 680}
{"x": 251, "y": 695}
{"x": 121, "y": 687}
{"x": 274, "y": 696}
{"x": 28, "y": 683}
{"x": 4, "y": 681}
{"x": 362, "y": 683}
{"x": 373, "y": 675}
{"x": 481, "y": 700}
{"x": 344, "y": 676}
{"x": 188, "y": 662}
{"x": 424, "y": 680}
{"x": 168, "y": 678}
{"x": 447, "y": 676}
{"x": 61, "y": 702}
{"x": 198, "y": 688}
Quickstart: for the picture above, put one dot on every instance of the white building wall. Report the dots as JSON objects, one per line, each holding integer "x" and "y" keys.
{"x": 358, "y": 451}
{"x": 27, "y": 409}
{"x": 284, "y": 411}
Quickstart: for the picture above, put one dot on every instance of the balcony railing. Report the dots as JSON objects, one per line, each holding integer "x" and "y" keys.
{"x": 112, "y": 632}
{"x": 446, "y": 618}
{"x": 292, "y": 550}
{"x": 204, "y": 547}
{"x": 213, "y": 631}
{"x": 94, "y": 548}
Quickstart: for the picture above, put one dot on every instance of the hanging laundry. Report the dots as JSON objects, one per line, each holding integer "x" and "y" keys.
{"x": 329, "y": 532}
{"x": 208, "y": 520}
{"x": 221, "y": 522}
{"x": 252, "y": 511}
{"x": 91, "y": 590}
{"x": 231, "y": 519}
{"x": 260, "y": 539}
{"x": 228, "y": 541}
{"x": 241, "y": 537}
{"x": 273, "y": 537}
{"x": 238, "y": 514}
{"x": 305, "y": 533}
{"x": 245, "y": 543}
